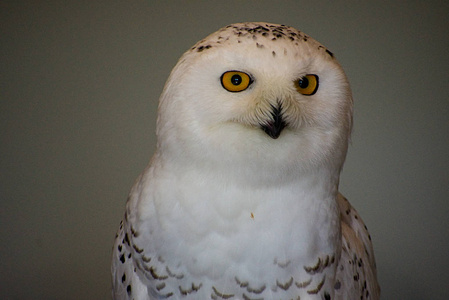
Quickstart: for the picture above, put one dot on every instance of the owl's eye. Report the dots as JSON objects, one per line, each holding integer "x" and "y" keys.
{"x": 307, "y": 85}
{"x": 235, "y": 81}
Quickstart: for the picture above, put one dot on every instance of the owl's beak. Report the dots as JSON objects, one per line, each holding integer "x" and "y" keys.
{"x": 274, "y": 126}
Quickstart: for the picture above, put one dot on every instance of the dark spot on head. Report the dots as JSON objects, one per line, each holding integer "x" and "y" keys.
{"x": 327, "y": 296}
{"x": 201, "y": 48}
{"x": 274, "y": 53}
{"x": 122, "y": 258}
{"x": 263, "y": 28}
{"x": 337, "y": 285}
{"x": 330, "y": 53}
{"x": 128, "y": 289}
{"x": 124, "y": 277}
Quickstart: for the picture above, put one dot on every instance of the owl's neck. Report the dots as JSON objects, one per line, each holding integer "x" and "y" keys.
{"x": 271, "y": 170}
{"x": 252, "y": 183}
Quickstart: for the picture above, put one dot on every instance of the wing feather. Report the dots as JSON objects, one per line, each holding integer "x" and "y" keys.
{"x": 126, "y": 283}
{"x": 356, "y": 271}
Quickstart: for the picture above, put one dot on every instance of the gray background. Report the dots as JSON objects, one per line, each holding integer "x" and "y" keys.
{"x": 79, "y": 84}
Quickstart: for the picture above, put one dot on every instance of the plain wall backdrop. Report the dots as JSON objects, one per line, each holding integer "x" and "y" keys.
{"x": 79, "y": 85}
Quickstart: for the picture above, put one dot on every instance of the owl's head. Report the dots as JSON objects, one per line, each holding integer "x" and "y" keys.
{"x": 257, "y": 93}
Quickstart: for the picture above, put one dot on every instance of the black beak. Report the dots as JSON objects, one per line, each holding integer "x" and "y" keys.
{"x": 274, "y": 127}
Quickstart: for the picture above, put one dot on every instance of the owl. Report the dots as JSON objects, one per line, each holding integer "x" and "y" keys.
{"x": 240, "y": 199}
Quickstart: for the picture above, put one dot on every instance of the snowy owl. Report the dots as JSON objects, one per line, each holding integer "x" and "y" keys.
{"x": 240, "y": 200}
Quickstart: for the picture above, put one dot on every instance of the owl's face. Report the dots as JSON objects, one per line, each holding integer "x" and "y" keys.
{"x": 258, "y": 92}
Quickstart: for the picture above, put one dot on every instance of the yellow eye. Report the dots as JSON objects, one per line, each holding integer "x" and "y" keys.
{"x": 235, "y": 81}
{"x": 307, "y": 85}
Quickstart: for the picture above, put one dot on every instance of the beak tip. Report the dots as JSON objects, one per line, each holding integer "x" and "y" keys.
{"x": 274, "y": 126}
{"x": 273, "y": 130}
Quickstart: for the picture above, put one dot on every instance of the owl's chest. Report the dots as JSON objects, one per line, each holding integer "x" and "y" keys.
{"x": 241, "y": 239}
{"x": 216, "y": 227}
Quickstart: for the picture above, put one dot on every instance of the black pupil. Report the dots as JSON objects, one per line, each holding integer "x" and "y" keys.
{"x": 236, "y": 79}
{"x": 303, "y": 82}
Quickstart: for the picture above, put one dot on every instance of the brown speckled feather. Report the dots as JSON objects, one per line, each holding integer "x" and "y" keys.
{"x": 356, "y": 271}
